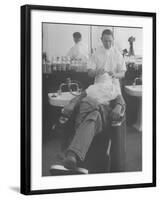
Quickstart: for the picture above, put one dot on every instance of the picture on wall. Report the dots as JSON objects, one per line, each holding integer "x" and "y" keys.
{"x": 88, "y": 76}
{"x": 71, "y": 57}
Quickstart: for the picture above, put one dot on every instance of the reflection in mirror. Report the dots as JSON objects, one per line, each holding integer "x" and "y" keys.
{"x": 58, "y": 38}
{"x": 68, "y": 46}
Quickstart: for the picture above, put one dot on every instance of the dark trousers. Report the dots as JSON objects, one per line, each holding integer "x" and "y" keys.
{"x": 90, "y": 120}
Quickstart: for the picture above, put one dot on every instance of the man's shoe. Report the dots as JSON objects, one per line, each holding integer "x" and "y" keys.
{"x": 67, "y": 165}
{"x": 57, "y": 170}
{"x": 70, "y": 162}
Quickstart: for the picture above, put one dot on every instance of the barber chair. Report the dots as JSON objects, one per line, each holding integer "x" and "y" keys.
{"x": 108, "y": 149}
{"x": 107, "y": 152}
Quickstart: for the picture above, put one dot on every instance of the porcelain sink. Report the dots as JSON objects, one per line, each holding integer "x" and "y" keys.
{"x": 60, "y": 100}
{"x": 134, "y": 90}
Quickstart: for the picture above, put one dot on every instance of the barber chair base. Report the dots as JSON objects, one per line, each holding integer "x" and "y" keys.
{"x": 99, "y": 167}
{"x": 98, "y": 157}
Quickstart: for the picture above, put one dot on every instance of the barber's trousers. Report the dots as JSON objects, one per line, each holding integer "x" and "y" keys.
{"x": 90, "y": 121}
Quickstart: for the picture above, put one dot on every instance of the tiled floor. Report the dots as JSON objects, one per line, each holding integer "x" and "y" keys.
{"x": 51, "y": 147}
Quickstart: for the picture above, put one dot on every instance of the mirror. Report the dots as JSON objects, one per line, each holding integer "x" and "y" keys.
{"x": 58, "y": 38}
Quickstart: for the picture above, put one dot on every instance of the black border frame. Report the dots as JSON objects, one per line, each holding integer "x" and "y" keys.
{"x": 25, "y": 156}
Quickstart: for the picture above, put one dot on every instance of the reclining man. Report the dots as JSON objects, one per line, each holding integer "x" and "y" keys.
{"x": 99, "y": 102}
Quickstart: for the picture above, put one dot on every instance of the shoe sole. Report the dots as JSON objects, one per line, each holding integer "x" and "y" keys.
{"x": 61, "y": 170}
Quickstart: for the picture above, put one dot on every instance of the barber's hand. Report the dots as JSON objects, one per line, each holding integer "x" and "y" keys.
{"x": 111, "y": 74}
{"x": 116, "y": 112}
{"x": 100, "y": 71}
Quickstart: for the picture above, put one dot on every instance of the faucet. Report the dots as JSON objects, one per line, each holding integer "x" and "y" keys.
{"x": 68, "y": 84}
{"x": 60, "y": 88}
{"x": 135, "y": 80}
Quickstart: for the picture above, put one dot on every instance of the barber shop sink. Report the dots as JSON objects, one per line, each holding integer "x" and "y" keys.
{"x": 62, "y": 99}
{"x": 134, "y": 90}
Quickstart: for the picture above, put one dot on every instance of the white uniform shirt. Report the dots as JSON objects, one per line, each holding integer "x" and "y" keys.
{"x": 78, "y": 51}
{"x": 106, "y": 88}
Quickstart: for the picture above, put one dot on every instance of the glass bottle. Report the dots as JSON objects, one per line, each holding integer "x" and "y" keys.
{"x": 54, "y": 64}
{"x": 58, "y": 65}
{"x": 68, "y": 64}
{"x": 63, "y": 65}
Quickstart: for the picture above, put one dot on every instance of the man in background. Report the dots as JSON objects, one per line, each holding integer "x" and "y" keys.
{"x": 79, "y": 50}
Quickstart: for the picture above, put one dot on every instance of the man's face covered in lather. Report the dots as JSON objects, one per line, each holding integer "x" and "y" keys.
{"x": 107, "y": 41}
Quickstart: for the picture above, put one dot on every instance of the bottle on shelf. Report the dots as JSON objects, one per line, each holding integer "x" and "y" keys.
{"x": 63, "y": 64}
{"x": 44, "y": 66}
{"x": 72, "y": 65}
{"x": 75, "y": 65}
{"x": 68, "y": 60}
{"x": 83, "y": 66}
{"x": 54, "y": 62}
{"x": 58, "y": 65}
{"x": 48, "y": 67}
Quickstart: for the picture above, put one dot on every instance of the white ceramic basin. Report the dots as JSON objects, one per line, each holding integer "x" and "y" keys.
{"x": 60, "y": 100}
{"x": 134, "y": 90}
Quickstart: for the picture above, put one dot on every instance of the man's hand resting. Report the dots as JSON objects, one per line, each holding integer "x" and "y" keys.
{"x": 116, "y": 112}
{"x": 68, "y": 109}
